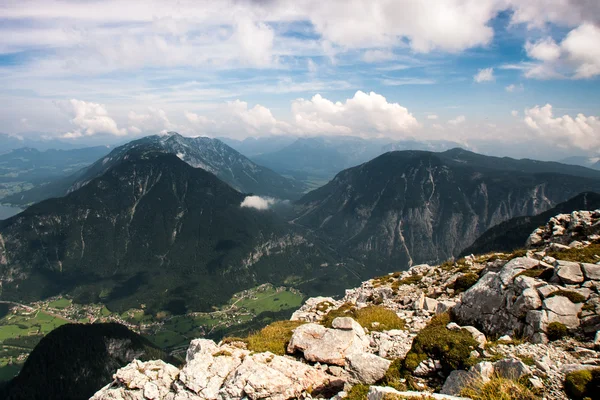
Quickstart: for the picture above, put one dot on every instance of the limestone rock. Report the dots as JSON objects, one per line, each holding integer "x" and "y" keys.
{"x": 366, "y": 368}
{"x": 330, "y": 346}
{"x": 591, "y": 271}
{"x": 477, "y": 335}
{"x": 457, "y": 381}
{"x": 484, "y": 369}
{"x": 560, "y": 309}
{"x": 382, "y": 392}
{"x": 511, "y": 368}
{"x": 569, "y": 272}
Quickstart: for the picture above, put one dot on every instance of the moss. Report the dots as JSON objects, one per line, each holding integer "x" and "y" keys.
{"x": 464, "y": 282}
{"x": 539, "y": 272}
{"x": 273, "y": 337}
{"x": 589, "y": 254}
{"x": 517, "y": 253}
{"x": 556, "y": 331}
{"x": 396, "y": 376}
{"x": 452, "y": 348}
{"x": 222, "y": 353}
{"x": 324, "y": 306}
{"x": 410, "y": 280}
{"x": 573, "y": 296}
{"x": 358, "y": 392}
{"x": 588, "y": 307}
{"x": 583, "y": 384}
{"x": 386, "y": 319}
{"x": 527, "y": 360}
{"x": 498, "y": 389}
{"x": 447, "y": 265}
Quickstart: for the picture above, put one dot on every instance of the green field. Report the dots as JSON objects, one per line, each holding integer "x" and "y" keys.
{"x": 271, "y": 300}
{"x": 60, "y": 304}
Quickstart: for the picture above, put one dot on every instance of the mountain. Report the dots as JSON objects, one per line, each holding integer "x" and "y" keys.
{"x": 28, "y": 166}
{"x": 209, "y": 154}
{"x": 409, "y": 207}
{"x": 251, "y": 146}
{"x": 588, "y": 162}
{"x": 323, "y": 157}
{"x": 32, "y": 140}
{"x": 512, "y": 234}
{"x": 153, "y": 230}
{"x": 75, "y": 360}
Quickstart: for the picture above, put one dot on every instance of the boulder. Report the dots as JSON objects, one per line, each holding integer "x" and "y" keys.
{"x": 366, "y": 368}
{"x": 457, "y": 381}
{"x": 569, "y": 272}
{"x": 477, "y": 335}
{"x": 511, "y": 368}
{"x": 427, "y": 367}
{"x": 444, "y": 306}
{"x": 484, "y": 369}
{"x": 330, "y": 346}
{"x": 591, "y": 271}
{"x": 560, "y": 309}
{"x": 430, "y": 304}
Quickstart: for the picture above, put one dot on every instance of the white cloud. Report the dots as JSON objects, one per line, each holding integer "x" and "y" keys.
{"x": 155, "y": 120}
{"x": 581, "y": 131}
{"x": 432, "y": 116}
{"x": 257, "y": 202}
{"x": 375, "y": 56}
{"x": 484, "y": 75}
{"x": 255, "y": 41}
{"x": 91, "y": 119}
{"x": 363, "y": 115}
{"x": 512, "y": 88}
{"x": 577, "y": 56}
{"x": 514, "y": 113}
{"x": 458, "y": 120}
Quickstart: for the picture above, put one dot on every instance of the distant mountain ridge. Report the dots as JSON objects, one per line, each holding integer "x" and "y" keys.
{"x": 409, "y": 207}
{"x": 209, "y": 154}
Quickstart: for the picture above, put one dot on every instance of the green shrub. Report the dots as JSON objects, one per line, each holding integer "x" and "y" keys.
{"x": 587, "y": 254}
{"x": 358, "y": 392}
{"x": 573, "y": 296}
{"x": 452, "y": 348}
{"x": 410, "y": 280}
{"x": 386, "y": 318}
{"x": 465, "y": 281}
{"x": 583, "y": 384}
{"x": 394, "y": 375}
{"x": 498, "y": 389}
{"x": 556, "y": 331}
{"x": 273, "y": 337}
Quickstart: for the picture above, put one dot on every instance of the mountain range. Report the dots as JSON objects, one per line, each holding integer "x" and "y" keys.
{"x": 211, "y": 155}
{"x": 153, "y": 230}
{"x": 410, "y": 207}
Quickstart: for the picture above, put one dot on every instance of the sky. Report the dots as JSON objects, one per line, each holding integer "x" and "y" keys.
{"x": 507, "y": 77}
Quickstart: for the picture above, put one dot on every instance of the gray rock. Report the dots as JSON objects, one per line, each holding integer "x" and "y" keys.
{"x": 457, "y": 381}
{"x": 511, "y": 368}
{"x": 597, "y": 340}
{"x": 560, "y": 309}
{"x": 430, "y": 304}
{"x": 366, "y": 368}
{"x": 453, "y": 326}
{"x": 569, "y": 272}
{"x": 330, "y": 346}
{"x": 591, "y": 271}
{"x": 427, "y": 367}
{"x": 484, "y": 369}
{"x": 444, "y": 305}
{"x": 477, "y": 335}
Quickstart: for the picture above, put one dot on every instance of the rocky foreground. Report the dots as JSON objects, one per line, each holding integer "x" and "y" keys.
{"x": 521, "y": 325}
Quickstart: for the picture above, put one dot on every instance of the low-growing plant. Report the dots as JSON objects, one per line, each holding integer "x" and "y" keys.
{"x": 583, "y": 384}
{"x": 517, "y": 253}
{"x": 498, "y": 389}
{"x": 374, "y": 318}
{"x": 539, "y": 272}
{"x": 573, "y": 296}
{"x": 274, "y": 337}
{"x": 556, "y": 331}
{"x": 464, "y": 282}
{"x": 589, "y": 254}
{"x": 452, "y": 348}
{"x": 358, "y": 392}
{"x": 410, "y": 280}
{"x": 221, "y": 353}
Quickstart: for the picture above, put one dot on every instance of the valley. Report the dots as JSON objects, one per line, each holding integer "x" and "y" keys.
{"x": 23, "y": 325}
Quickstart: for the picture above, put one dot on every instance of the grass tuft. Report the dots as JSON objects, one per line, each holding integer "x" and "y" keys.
{"x": 583, "y": 384}
{"x": 464, "y": 282}
{"x": 589, "y": 254}
{"x": 498, "y": 389}
{"x": 556, "y": 331}
{"x": 273, "y": 337}
{"x": 385, "y": 318}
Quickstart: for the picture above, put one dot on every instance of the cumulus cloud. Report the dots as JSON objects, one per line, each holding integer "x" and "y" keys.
{"x": 91, "y": 119}
{"x": 363, "y": 115}
{"x": 255, "y": 41}
{"x": 258, "y": 202}
{"x": 484, "y": 75}
{"x": 581, "y": 131}
{"x": 154, "y": 120}
{"x": 577, "y": 56}
{"x": 458, "y": 120}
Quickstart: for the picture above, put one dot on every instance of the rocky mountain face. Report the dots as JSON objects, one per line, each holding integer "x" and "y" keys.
{"x": 153, "y": 230}
{"x": 74, "y": 360}
{"x": 408, "y": 207}
{"x": 510, "y": 235}
{"x": 524, "y": 324}
{"x": 211, "y": 155}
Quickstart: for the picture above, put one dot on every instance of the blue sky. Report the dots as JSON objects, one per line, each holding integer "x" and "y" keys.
{"x": 495, "y": 75}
